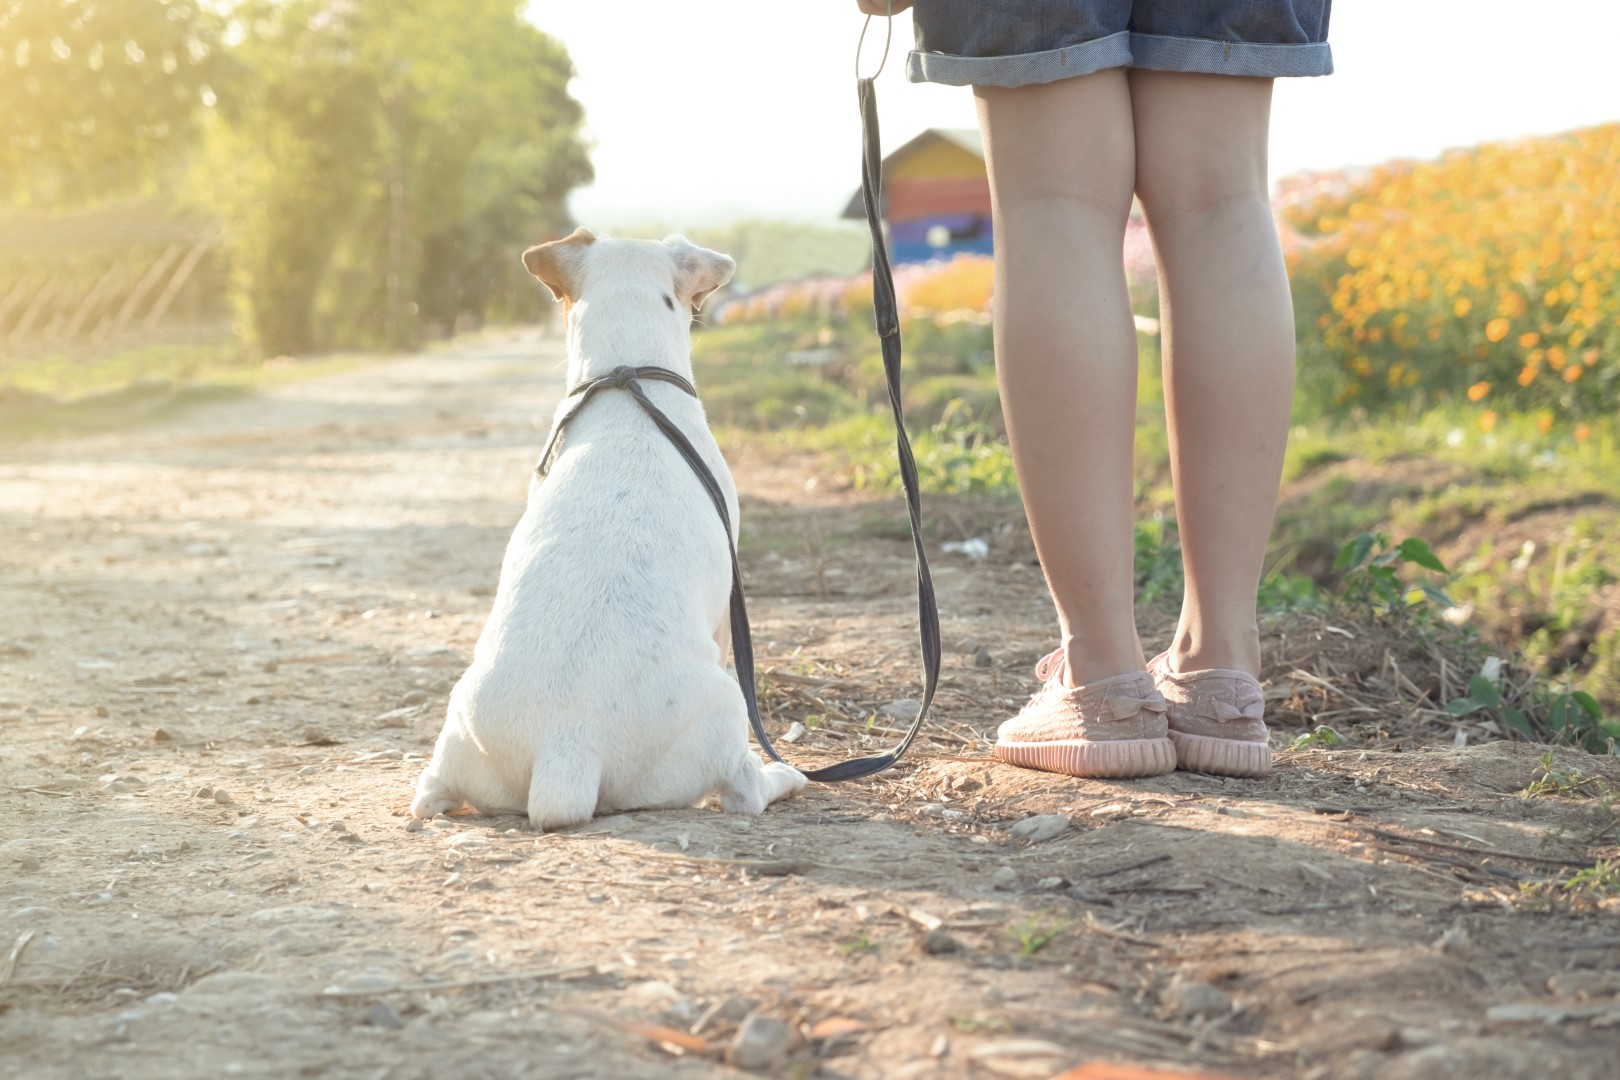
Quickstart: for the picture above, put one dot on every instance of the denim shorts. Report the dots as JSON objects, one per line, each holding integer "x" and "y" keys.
{"x": 1019, "y": 42}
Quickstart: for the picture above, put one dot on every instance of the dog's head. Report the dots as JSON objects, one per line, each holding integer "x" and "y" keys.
{"x": 676, "y": 270}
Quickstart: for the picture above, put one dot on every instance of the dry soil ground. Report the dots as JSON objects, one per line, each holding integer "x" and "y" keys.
{"x": 225, "y": 645}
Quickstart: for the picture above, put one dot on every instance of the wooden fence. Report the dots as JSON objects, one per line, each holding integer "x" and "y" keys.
{"x": 108, "y": 279}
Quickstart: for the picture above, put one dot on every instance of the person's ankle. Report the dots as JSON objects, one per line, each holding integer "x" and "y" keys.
{"x": 1237, "y": 652}
{"x": 1084, "y": 665}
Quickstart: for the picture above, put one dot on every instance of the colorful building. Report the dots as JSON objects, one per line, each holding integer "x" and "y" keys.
{"x": 935, "y": 199}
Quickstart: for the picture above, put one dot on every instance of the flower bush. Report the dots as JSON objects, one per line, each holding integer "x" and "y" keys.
{"x": 1490, "y": 276}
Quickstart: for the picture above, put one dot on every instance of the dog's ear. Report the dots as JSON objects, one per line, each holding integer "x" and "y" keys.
{"x": 554, "y": 262}
{"x": 698, "y": 271}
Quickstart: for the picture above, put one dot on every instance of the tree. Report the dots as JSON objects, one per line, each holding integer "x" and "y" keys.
{"x": 376, "y": 162}
{"x": 99, "y": 97}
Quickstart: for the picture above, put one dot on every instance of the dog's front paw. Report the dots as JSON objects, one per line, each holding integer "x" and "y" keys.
{"x": 784, "y": 779}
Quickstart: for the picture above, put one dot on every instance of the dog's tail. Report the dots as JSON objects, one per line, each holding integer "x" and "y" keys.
{"x": 565, "y": 785}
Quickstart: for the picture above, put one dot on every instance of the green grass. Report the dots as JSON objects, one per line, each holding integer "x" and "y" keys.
{"x": 1036, "y": 932}
{"x": 58, "y": 394}
{"x": 1526, "y": 517}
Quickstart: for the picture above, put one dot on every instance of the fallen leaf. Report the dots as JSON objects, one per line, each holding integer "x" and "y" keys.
{"x": 673, "y": 1040}
{"x": 834, "y": 1026}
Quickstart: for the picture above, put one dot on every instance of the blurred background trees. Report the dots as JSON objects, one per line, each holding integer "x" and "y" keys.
{"x": 370, "y": 169}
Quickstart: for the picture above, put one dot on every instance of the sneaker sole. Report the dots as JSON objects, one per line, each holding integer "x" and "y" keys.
{"x": 1221, "y": 757}
{"x": 1078, "y": 757}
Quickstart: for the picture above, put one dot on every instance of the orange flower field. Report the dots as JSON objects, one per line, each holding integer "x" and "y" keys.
{"x": 1491, "y": 276}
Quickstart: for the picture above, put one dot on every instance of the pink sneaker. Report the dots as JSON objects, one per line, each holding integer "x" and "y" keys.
{"x": 1217, "y": 719}
{"x": 1114, "y": 727}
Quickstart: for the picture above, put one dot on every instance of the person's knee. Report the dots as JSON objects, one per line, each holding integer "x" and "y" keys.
{"x": 1062, "y": 145}
{"x": 1200, "y": 141}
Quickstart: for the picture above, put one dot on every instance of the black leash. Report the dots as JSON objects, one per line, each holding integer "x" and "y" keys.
{"x": 888, "y": 329}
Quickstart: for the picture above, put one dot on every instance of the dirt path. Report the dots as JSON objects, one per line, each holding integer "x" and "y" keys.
{"x": 225, "y": 646}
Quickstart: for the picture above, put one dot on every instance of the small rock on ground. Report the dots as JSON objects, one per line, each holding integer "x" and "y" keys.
{"x": 1040, "y": 827}
{"x": 761, "y": 1043}
{"x": 1189, "y": 998}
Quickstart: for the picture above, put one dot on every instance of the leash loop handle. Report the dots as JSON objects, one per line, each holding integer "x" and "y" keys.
{"x": 888, "y": 36}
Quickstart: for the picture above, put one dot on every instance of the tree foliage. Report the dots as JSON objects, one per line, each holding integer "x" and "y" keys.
{"x": 98, "y": 94}
{"x": 378, "y": 164}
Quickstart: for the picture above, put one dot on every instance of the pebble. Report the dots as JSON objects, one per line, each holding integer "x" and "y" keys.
{"x": 289, "y": 942}
{"x": 761, "y": 1043}
{"x": 1004, "y": 878}
{"x": 902, "y": 709}
{"x": 937, "y": 942}
{"x": 414, "y": 697}
{"x": 652, "y": 994}
{"x": 382, "y": 1015}
{"x": 223, "y": 797}
{"x": 982, "y": 658}
{"x": 29, "y": 863}
{"x": 309, "y": 770}
{"x": 1584, "y": 985}
{"x": 1040, "y": 827}
{"x": 398, "y": 718}
{"x": 662, "y": 998}
{"x": 205, "y": 793}
{"x": 413, "y": 825}
{"x": 795, "y": 733}
{"x": 1052, "y": 883}
{"x": 1189, "y": 998}
{"x": 165, "y": 734}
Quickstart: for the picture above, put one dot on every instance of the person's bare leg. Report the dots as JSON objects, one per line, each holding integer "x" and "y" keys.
{"x": 1061, "y": 161}
{"x": 1228, "y": 343}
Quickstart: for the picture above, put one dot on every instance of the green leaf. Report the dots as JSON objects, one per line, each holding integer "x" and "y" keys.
{"x": 1354, "y": 553}
{"x": 1518, "y": 722}
{"x": 1416, "y": 550}
{"x": 1438, "y": 596}
{"x": 1485, "y": 690}
{"x": 1588, "y": 704}
{"x": 1463, "y": 706}
{"x": 1558, "y": 715}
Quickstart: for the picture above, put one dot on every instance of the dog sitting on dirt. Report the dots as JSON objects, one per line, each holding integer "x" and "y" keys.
{"x": 598, "y": 683}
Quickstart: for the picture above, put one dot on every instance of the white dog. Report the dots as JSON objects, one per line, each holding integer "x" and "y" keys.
{"x": 599, "y": 683}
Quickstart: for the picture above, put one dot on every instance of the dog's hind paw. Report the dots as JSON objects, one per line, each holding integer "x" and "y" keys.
{"x": 433, "y": 798}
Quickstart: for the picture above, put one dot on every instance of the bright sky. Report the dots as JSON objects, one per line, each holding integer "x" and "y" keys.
{"x": 703, "y": 113}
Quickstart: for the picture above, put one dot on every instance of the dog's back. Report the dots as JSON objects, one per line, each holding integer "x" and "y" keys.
{"x": 598, "y": 681}
{"x": 602, "y": 627}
